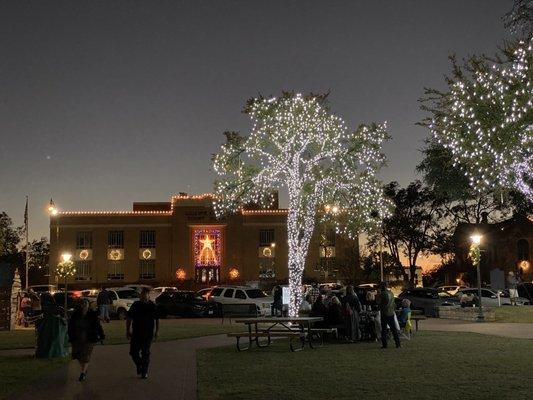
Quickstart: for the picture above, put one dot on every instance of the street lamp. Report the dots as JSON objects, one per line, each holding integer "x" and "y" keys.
{"x": 52, "y": 209}
{"x": 65, "y": 269}
{"x": 475, "y": 256}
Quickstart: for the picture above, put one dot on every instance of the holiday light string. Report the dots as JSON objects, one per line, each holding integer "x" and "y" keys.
{"x": 487, "y": 123}
{"x": 297, "y": 144}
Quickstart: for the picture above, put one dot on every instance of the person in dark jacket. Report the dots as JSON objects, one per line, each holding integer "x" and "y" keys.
{"x": 84, "y": 330}
{"x": 387, "y": 309}
{"x": 352, "y": 307}
{"x": 142, "y": 326}
{"x": 335, "y": 317}
{"x": 277, "y": 305}
{"x": 104, "y": 301}
{"x": 319, "y": 309}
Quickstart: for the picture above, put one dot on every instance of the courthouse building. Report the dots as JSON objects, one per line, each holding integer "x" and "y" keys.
{"x": 181, "y": 241}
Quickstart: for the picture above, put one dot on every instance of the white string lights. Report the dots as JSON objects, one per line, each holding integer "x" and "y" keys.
{"x": 486, "y": 121}
{"x": 297, "y": 144}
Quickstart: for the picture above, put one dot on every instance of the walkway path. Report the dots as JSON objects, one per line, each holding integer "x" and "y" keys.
{"x": 511, "y": 330}
{"x": 112, "y": 374}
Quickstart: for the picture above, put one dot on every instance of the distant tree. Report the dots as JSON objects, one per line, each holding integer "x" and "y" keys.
{"x": 520, "y": 19}
{"x": 10, "y": 236}
{"x": 412, "y": 228}
{"x": 39, "y": 254}
{"x": 299, "y": 145}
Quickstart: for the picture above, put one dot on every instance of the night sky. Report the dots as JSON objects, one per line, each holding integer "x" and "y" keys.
{"x": 107, "y": 102}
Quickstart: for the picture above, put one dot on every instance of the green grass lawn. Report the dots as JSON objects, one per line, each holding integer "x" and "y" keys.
{"x": 514, "y": 314}
{"x": 170, "y": 329}
{"x": 16, "y": 372}
{"x": 431, "y": 366}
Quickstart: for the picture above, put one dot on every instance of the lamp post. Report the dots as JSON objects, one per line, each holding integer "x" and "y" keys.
{"x": 475, "y": 256}
{"x": 65, "y": 269}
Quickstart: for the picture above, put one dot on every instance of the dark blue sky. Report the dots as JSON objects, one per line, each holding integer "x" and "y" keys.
{"x": 107, "y": 102}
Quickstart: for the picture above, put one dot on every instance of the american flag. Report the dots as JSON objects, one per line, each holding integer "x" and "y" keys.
{"x": 26, "y": 215}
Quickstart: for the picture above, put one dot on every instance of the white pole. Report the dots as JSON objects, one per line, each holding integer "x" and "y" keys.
{"x": 27, "y": 244}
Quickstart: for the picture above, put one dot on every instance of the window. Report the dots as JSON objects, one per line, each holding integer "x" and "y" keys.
{"x": 228, "y": 293}
{"x": 266, "y": 237}
{"x": 146, "y": 269}
{"x": 216, "y": 292}
{"x": 83, "y": 270}
{"x": 84, "y": 240}
{"x": 115, "y": 240}
{"x": 112, "y": 295}
{"x": 327, "y": 237}
{"x": 115, "y": 270}
{"x": 327, "y": 244}
{"x": 147, "y": 240}
{"x": 255, "y": 293}
{"x": 522, "y": 249}
{"x": 127, "y": 294}
{"x": 239, "y": 294}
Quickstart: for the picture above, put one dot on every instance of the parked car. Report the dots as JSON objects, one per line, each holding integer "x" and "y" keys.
{"x": 244, "y": 295}
{"x": 185, "y": 304}
{"x": 43, "y": 288}
{"x": 73, "y": 300}
{"x": 121, "y": 300}
{"x": 451, "y": 289}
{"x": 155, "y": 292}
{"x": 490, "y": 297}
{"x": 428, "y": 299}
{"x": 137, "y": 287}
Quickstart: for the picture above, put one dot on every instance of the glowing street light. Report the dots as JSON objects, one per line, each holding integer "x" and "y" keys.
{"x": 475, "y": 256}
{"x": 65, "y": 269}
{"x": 52, "y": 209}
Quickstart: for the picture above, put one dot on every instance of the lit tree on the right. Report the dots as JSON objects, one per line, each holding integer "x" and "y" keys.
{"x": 485, "y": 119}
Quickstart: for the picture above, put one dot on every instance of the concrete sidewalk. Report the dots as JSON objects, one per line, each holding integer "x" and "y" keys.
{"x": 112, "y": 374}
{"x": 510, "y": 330}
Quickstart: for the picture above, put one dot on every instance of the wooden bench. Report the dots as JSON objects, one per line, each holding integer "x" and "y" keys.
{"x": 238, "y": 310}
{"x": 417, "y": 318}
{"x": 269, "y": 335}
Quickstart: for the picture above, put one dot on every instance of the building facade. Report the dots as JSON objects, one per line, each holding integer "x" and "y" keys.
{"x": 181, "y": 241}
{"x": 505, "y": 246}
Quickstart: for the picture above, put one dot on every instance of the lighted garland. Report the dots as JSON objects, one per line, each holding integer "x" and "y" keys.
{"x": 486, "y": 121}
{"x": 297, "y": 144}
{"x": 65, "y": 269}
{"x": 474, "y": 254}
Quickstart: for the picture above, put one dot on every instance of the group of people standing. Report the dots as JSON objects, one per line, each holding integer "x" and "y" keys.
{"x": 85, "y": 330}
{"x": 343, "y": 312}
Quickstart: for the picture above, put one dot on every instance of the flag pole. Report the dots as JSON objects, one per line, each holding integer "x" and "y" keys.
{"x": 27, "y": 242}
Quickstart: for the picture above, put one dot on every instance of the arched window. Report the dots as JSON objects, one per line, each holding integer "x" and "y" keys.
{"x": 522, "y": 249}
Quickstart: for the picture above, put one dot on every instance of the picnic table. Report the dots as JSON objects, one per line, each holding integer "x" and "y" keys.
{"x": 300, "y": 328}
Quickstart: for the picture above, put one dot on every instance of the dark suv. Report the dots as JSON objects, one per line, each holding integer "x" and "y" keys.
{"x": 428, "y": 299}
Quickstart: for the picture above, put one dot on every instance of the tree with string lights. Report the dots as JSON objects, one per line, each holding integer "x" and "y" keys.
{"x": 485, "y": 119}
{"x": 298, "y": 144}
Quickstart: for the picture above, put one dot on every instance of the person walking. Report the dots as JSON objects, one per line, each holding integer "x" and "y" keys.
{"x": 103, "y": 301}
{"x": 512, "y": 282}
{"x": 387, "y": 310}
{"x": 84, "y": 330}
{"x": 142, "y": 327}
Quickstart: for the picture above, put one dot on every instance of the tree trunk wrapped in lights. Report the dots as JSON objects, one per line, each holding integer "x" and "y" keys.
{"x": 486, "y": 119}
{"x": 297, "y": 144}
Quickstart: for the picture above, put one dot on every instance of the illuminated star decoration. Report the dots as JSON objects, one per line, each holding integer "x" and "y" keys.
{"x": 297, "y": 144}
{"x": 488, "y": 123}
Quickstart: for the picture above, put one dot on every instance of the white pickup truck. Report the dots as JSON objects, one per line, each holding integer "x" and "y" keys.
{"x": 121, "y": 300}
